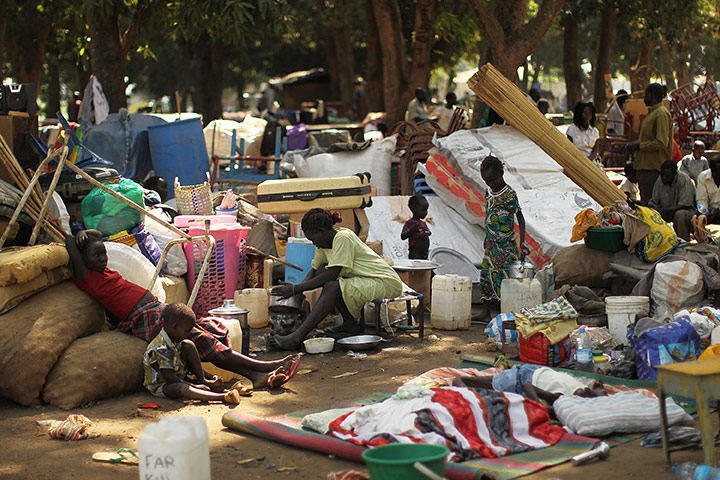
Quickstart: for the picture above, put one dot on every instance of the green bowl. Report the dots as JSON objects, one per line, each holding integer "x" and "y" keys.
{"x": 395, "y": 461}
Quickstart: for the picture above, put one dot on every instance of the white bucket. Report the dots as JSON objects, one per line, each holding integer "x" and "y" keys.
{"x": 176, "y": 447}
{"x": 622, "y": 311}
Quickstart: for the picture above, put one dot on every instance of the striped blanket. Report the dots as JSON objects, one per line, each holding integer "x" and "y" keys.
{"x": 471, "y": 423}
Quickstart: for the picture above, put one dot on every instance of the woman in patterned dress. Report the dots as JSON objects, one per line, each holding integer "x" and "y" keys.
{"x": 501, "y": 247}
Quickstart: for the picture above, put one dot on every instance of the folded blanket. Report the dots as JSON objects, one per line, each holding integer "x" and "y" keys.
{"x": 22, "y": 264}
{"x": 624, "y": 412}
{"x": 471, "y": 422}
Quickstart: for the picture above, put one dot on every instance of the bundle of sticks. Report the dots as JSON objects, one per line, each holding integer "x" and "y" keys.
{"x": 507, "y": 100}
{"x": 19, "y": 179}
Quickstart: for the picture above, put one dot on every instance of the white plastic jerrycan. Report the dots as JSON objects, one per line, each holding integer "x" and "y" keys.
{"x": 175, "y": 448}
{"x": 451, "y": 303}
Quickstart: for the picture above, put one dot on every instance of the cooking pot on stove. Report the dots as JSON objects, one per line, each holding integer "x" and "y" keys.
{"x": 292, "y": 304}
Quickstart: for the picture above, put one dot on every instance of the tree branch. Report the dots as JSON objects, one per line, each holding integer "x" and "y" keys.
{"x": 127, "y": 40}
{"x": 535, "y": 29}
{"x": 488, "y": 20}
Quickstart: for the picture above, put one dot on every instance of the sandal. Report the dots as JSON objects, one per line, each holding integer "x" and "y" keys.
{"x": 271, "y": 339}
{"x": 232, "y": 397}
{"x": 276, "y": 379}
{"x": 294, "y": 366}
{"x": 122, "y": 455}
{"x": 243, "y": 390}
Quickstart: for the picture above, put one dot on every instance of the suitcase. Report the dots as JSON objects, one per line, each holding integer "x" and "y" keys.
{"x": 72, "y": 187}
{"x": 295, "y": 195}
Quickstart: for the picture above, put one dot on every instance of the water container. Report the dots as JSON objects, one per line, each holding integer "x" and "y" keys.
{"x": 519, "y": 293}
{"x": 300, "y": 252}
{"x": 234, "y": 331}
{"x": 255, "y": 300}
{"x": 621, "y": 312}
{"x": 178, "y": 150}
{"x": 451, "y": 302}
{"x": 175, "y": 448}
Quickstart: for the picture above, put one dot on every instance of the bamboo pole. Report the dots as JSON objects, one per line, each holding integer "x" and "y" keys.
{"x": 46, "y": 199}
{"x": 506, "y": 99}
{"x": 127, "y": 202}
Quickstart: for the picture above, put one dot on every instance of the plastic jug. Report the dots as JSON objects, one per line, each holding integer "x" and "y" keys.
{"x": 519, "y": 293}
{"x": 234, "y": 331}
{"x": 451, "y": 302}
{"x": 175, "y": 448}
{"x": 255, "y": 300}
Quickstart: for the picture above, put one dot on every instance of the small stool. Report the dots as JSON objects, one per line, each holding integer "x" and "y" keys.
{"x": 699, "y": 380}
{"x": 407, "y": 298}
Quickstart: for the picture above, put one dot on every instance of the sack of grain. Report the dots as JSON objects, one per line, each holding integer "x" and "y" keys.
{"x": 37, "y": 331}
{"x": 579, "y": 265}
{"x": 99, "y": 366}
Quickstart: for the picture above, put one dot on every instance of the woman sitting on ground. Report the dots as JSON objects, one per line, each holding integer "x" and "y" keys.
{"x": 582, "y": 133}
{"x": 137, "y": 311}
{"x": 348, "y": 271}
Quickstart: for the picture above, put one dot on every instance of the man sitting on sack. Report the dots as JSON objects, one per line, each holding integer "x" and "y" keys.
{"x": 708, "y": 205}
{"x": 673, "y": 193}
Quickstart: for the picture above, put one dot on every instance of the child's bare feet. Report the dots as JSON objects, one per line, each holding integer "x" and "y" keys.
{"x": 274, "y": 379}
{"x": 232, "y": 397}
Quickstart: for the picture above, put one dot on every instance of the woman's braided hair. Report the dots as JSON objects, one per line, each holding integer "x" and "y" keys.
{"x": 318, "y": 219}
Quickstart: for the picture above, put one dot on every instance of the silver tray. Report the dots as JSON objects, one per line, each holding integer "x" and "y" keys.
{"x": 359, "y": 342}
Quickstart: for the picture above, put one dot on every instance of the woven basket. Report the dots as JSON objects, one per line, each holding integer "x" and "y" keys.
{"x": 193, "y": 199}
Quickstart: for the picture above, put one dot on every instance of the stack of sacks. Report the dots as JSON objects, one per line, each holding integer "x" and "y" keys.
{"x": 28, "y": 270}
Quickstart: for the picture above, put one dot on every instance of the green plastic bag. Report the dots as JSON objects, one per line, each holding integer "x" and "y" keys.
{"x": 101, "y": 211}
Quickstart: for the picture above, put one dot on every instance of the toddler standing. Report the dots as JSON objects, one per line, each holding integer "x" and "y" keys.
{"x": 415, "y": 230}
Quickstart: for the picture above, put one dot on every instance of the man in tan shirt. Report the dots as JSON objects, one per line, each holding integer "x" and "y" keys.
{"x": 655, "y": 143}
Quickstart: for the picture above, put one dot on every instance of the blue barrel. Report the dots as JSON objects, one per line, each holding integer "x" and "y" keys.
{"x": 178, "y": 150}
{"x": 300, "y": 252}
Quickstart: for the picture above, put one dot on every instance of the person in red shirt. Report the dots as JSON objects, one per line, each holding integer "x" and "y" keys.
{"x": 415, "y": 230}
{"x": 135, "y": 310}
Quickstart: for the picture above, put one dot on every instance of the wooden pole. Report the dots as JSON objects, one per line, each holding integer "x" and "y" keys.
{"x": 255, "y": 250}
{"x": 46, "y": 200}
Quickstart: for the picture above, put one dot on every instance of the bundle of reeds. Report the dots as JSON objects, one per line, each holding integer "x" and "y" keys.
{"x": 34, "y": 202}
{"x": 507, "y": 100}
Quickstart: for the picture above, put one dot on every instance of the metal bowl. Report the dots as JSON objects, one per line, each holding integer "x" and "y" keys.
{"x": 292, "y": 304}
{"x": 360, "y": 342}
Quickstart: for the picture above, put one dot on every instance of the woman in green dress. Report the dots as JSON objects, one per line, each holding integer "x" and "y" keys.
{"x": 348, "y": 271}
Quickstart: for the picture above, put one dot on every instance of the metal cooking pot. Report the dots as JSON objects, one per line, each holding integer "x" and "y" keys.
{"x": 522, "y": 268}
{"x": 231, "y": 311}
{"x": 292, "y": 304}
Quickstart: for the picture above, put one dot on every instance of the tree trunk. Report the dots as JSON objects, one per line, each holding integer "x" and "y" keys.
{"x": 27, "y": 55}
{"x": 640, "y": 73}
{"x": 106, "y": 57}
{"x": 571, "y": 67}
{"x": 374, "y": 74}
{"x": 608, "y": 27}
{"x": 681, "y": 68}
{"x": 421, "y": 63}
{"x": 668, "y": 75}
{"x": 345, "y": 65}
{"x": 394, "y": 86}
{"x": 209, "y": 82}
{"x": 82, "y": 78}
{"x": 332, "y": 59}
{"x": 525, "y": 84}
{"x": 53, "y": 90}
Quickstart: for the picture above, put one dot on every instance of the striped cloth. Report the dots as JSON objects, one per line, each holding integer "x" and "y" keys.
{"x": 471, "y": 423}
{"x": 624, "y": 412}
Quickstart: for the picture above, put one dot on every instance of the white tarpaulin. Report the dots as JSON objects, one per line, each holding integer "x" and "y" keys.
{"x": 449, "y": 229}
{"x": 549, "y": 200}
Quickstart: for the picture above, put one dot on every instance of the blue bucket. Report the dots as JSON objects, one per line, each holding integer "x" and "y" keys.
{"x": 300, "y": 252}
{"x": 178, "y": 150}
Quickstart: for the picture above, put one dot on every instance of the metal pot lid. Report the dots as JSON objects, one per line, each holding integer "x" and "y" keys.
{"x": 228, "y": 308}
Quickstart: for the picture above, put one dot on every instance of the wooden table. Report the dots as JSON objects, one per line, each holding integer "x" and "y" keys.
{"x": 699, "y": 380}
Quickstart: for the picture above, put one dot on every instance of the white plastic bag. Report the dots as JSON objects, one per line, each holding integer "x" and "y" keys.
{"x": 176, "y": 261}
{"x": 677, "y": 285}
{"x": 133, "y": 267}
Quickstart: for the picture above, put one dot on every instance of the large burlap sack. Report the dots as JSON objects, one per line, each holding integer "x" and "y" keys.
{"x": 579, "y": 265}
{"x": 99, "y": 366}
{"x": 12, "y": 295}
{"x": 37, "y": 331}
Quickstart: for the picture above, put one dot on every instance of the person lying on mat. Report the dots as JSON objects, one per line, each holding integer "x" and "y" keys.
{"x": 137, "y": 311}
{"x": 348, "y": 271}
{"x": 171, "y": 356}
{"x": 535, "y": 382}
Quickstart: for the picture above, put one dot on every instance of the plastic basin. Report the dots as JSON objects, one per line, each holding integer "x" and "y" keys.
{"x": 395, "y": 461}
{"x": 608, "y": 239}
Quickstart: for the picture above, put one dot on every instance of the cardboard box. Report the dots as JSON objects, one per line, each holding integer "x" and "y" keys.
{"x": 354, "y": 219}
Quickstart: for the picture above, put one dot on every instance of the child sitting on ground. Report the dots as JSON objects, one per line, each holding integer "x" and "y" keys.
{"x": 171, "y": 356}
{"x": 535, "y": 382}
{"x": 415, "y": 230}
{"x": 629, "y": 186}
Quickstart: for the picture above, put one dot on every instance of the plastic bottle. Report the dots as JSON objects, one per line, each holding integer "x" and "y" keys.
{"x": 693, "y": 471}
{"x": 583, "y": 351}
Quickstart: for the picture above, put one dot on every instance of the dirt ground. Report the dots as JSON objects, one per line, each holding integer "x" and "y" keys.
{"x": 28, "y": 453}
